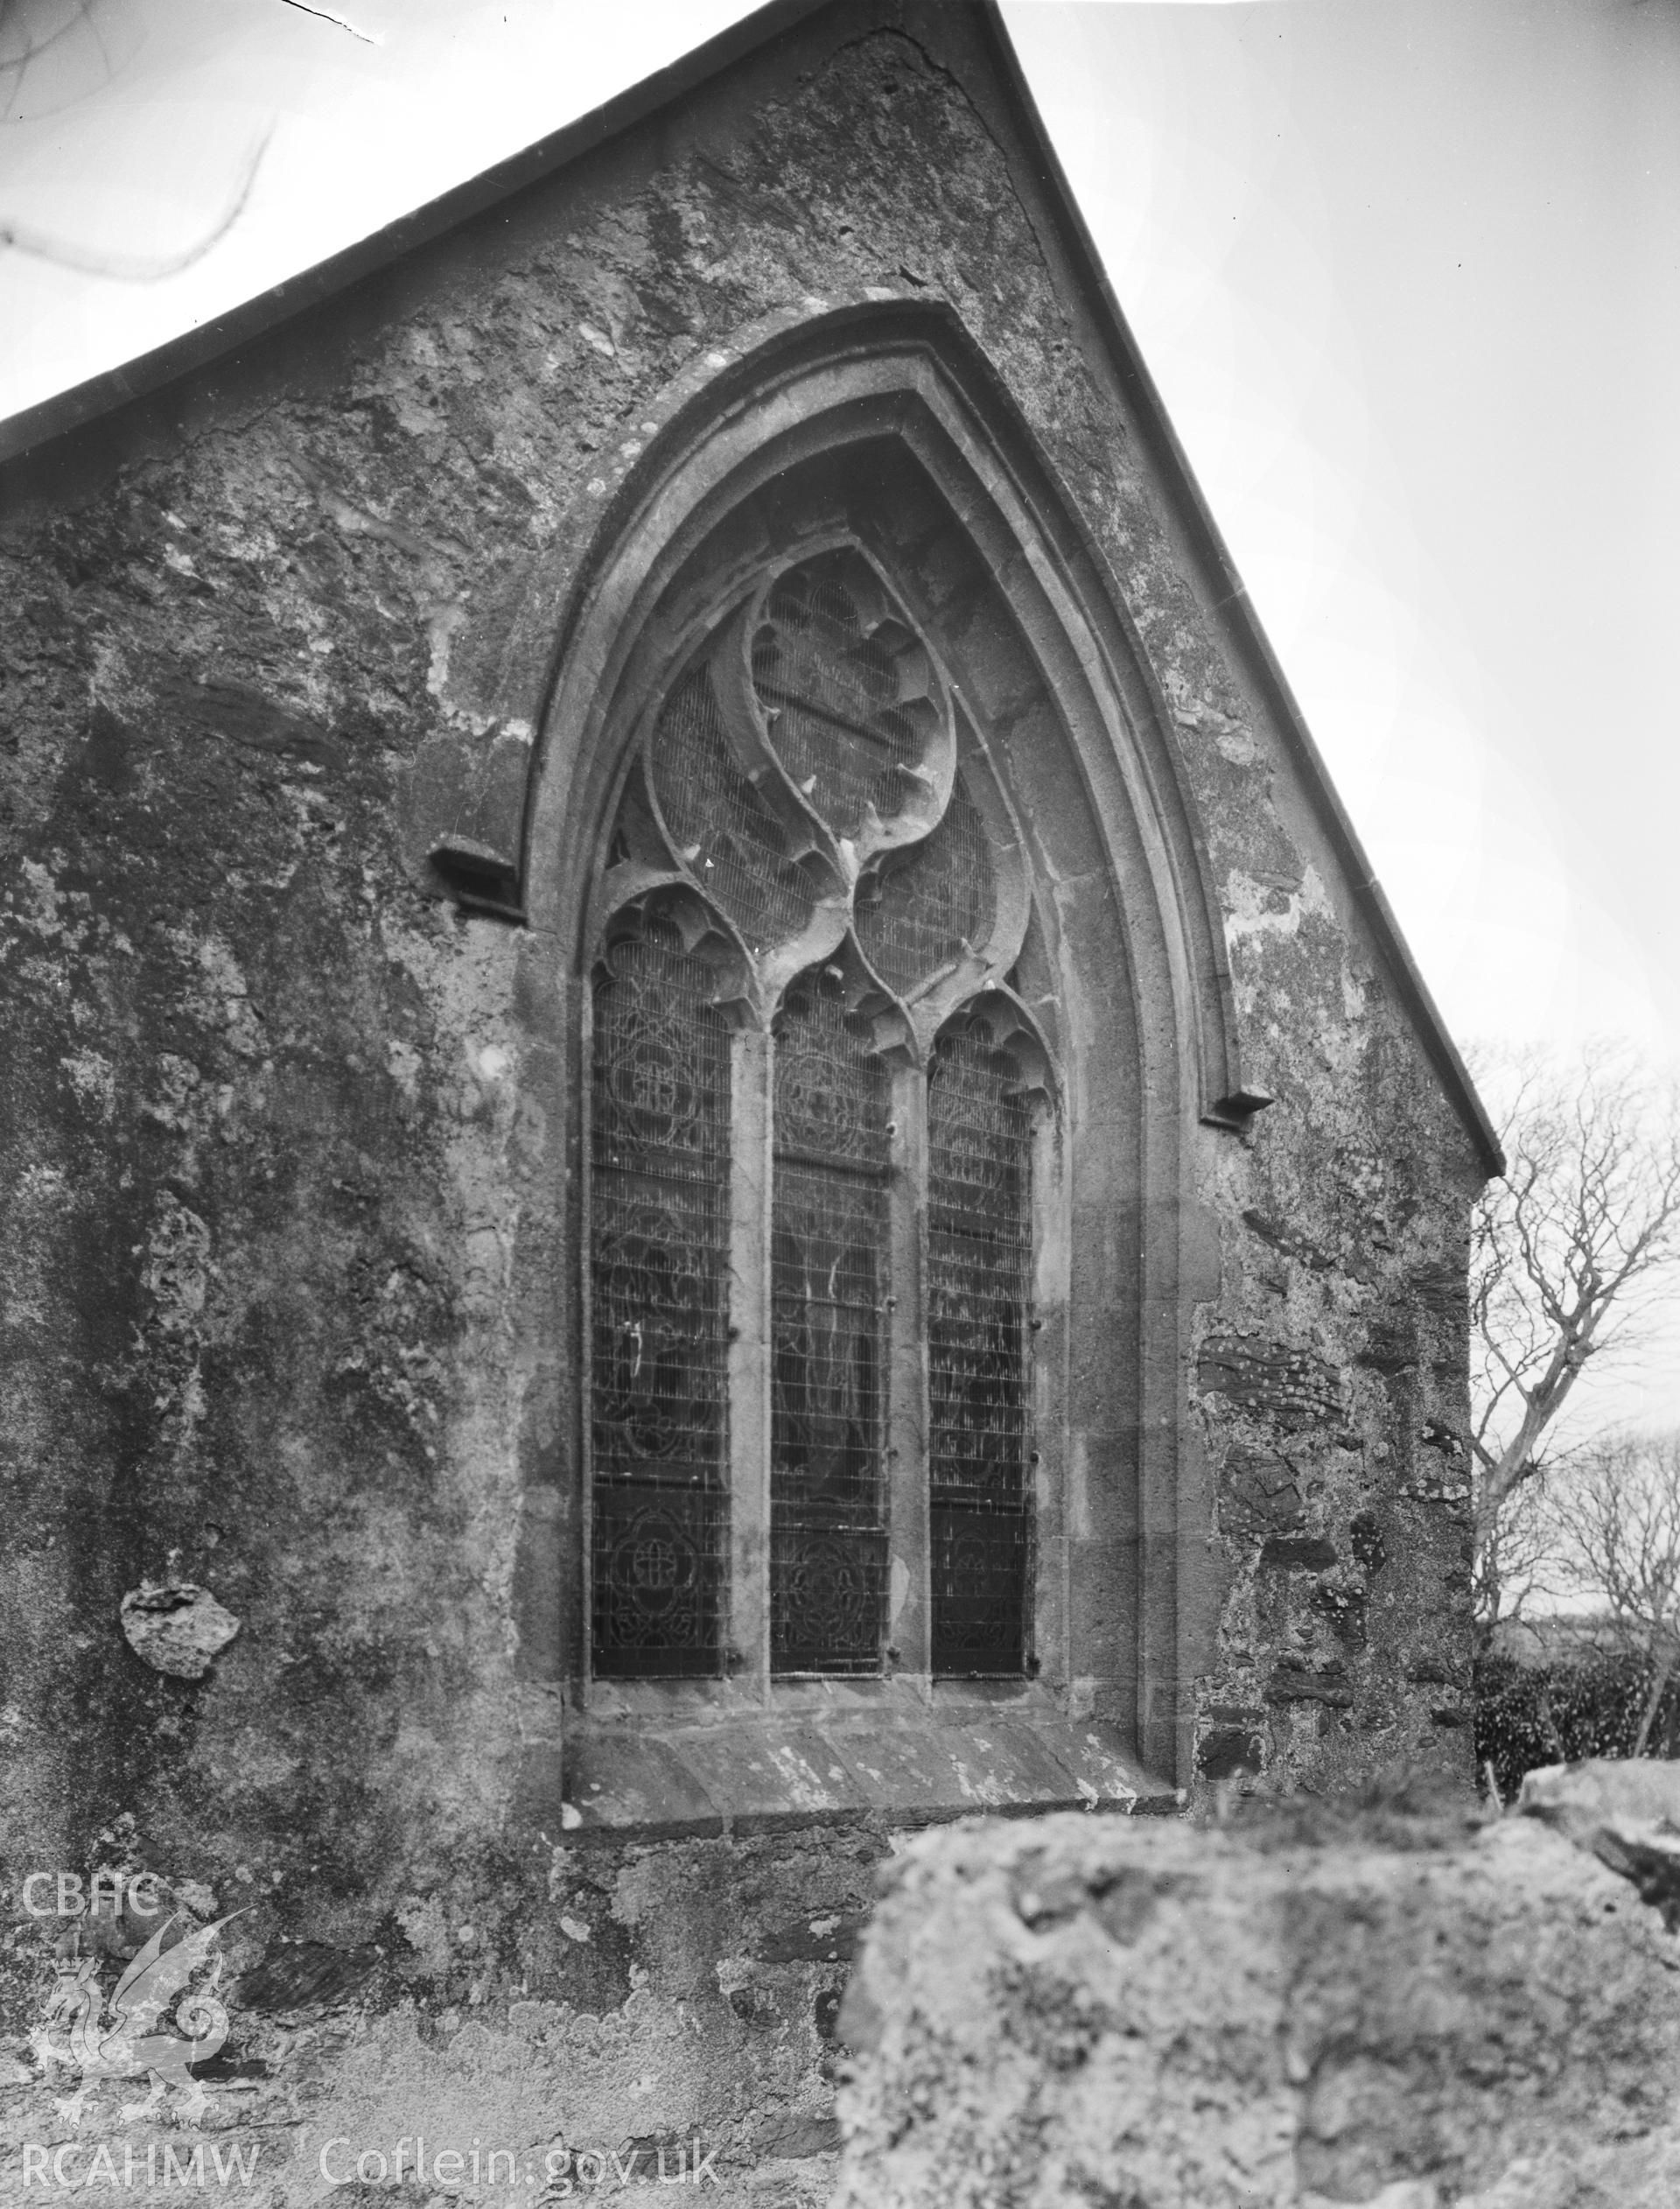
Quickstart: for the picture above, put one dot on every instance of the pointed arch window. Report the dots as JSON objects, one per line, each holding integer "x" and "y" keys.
{"x": 816, "y": 1104}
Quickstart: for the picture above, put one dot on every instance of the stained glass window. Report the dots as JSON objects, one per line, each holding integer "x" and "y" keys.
{"x": 724, "y": 831}
{"x": 659, "y": 1197}
{"x": 801, "y": 780}
{"x": 833, "y": 696}
{"x": 979, "y": 1256}
{"x": 829, "y": 1238}
{"x": 915, "y": 920}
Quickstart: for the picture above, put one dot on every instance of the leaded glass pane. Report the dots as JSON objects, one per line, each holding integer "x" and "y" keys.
{"x": 924, "y": 913}
{"x": 829, "y": 1242}
{"x": 723, "y": 828}
{"x": 979, "y": 1250}
{"x": 659, "y": 1235}
{"x": 831, "y": 694}
{"x": 850, "y": 707}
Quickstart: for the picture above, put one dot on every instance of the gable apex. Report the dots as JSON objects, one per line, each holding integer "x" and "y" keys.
{"x": 788, "y": 39}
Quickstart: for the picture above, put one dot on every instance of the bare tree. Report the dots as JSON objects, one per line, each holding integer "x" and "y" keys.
{"x": 1570, "y": 1255}
{"x": 1616, "y": 1505}
{"x": 1516, "y": 1564}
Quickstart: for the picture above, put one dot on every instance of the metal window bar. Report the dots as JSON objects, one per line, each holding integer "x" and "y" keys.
{"x": 979, "y": 1280}
{"x": 828, "y": 1270}
{"x": 659, "y": 1234}
{"x": 832, "y": 697}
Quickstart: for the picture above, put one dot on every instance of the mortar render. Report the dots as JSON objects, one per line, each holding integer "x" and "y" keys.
{"x": 1180, "y": 2018}
{"x": 281, "y": 1183}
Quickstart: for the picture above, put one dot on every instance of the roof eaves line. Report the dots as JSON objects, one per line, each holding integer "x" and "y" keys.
{"x": 1234, "y": 602}
{"x": 34, "y": 427}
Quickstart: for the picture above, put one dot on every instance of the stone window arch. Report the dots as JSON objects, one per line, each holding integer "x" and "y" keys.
{"x": 1083, "y": 986}
{"x": 821, "y": 1165}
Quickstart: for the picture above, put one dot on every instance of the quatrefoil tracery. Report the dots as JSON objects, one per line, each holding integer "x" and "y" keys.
{"x": 807, "y": 795}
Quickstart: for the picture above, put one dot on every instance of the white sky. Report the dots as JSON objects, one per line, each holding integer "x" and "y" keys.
{"x": 1407, "y": 273}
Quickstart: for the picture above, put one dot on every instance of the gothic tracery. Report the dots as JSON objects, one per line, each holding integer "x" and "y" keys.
{"x": 798, "y": 850}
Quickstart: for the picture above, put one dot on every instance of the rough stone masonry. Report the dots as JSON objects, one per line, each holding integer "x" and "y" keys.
{"x": 284, "y": 1485}
{"x": 1389, "y": 2008}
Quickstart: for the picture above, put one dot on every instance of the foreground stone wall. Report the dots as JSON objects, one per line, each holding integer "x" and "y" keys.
{"x": 597, "y": 2013}
{"x": 1405, "y": 2014}
{"x": 277, "y": 1181}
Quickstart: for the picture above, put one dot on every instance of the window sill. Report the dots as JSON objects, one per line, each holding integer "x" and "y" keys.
{"x": 660, "y": 1762}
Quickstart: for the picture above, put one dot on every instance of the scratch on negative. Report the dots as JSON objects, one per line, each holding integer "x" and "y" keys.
{"x": 368, "y": 38}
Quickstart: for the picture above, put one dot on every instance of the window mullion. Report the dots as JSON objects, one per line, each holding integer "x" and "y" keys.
{"x": 750, "y": 1354}
{"x": 909, "y": 1601}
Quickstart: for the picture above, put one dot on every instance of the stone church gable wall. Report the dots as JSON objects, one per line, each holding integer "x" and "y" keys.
{"x": 275, "y": 1154}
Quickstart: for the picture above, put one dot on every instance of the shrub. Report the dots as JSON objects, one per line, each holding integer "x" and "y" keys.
{"x": 1533, "y": 1715}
